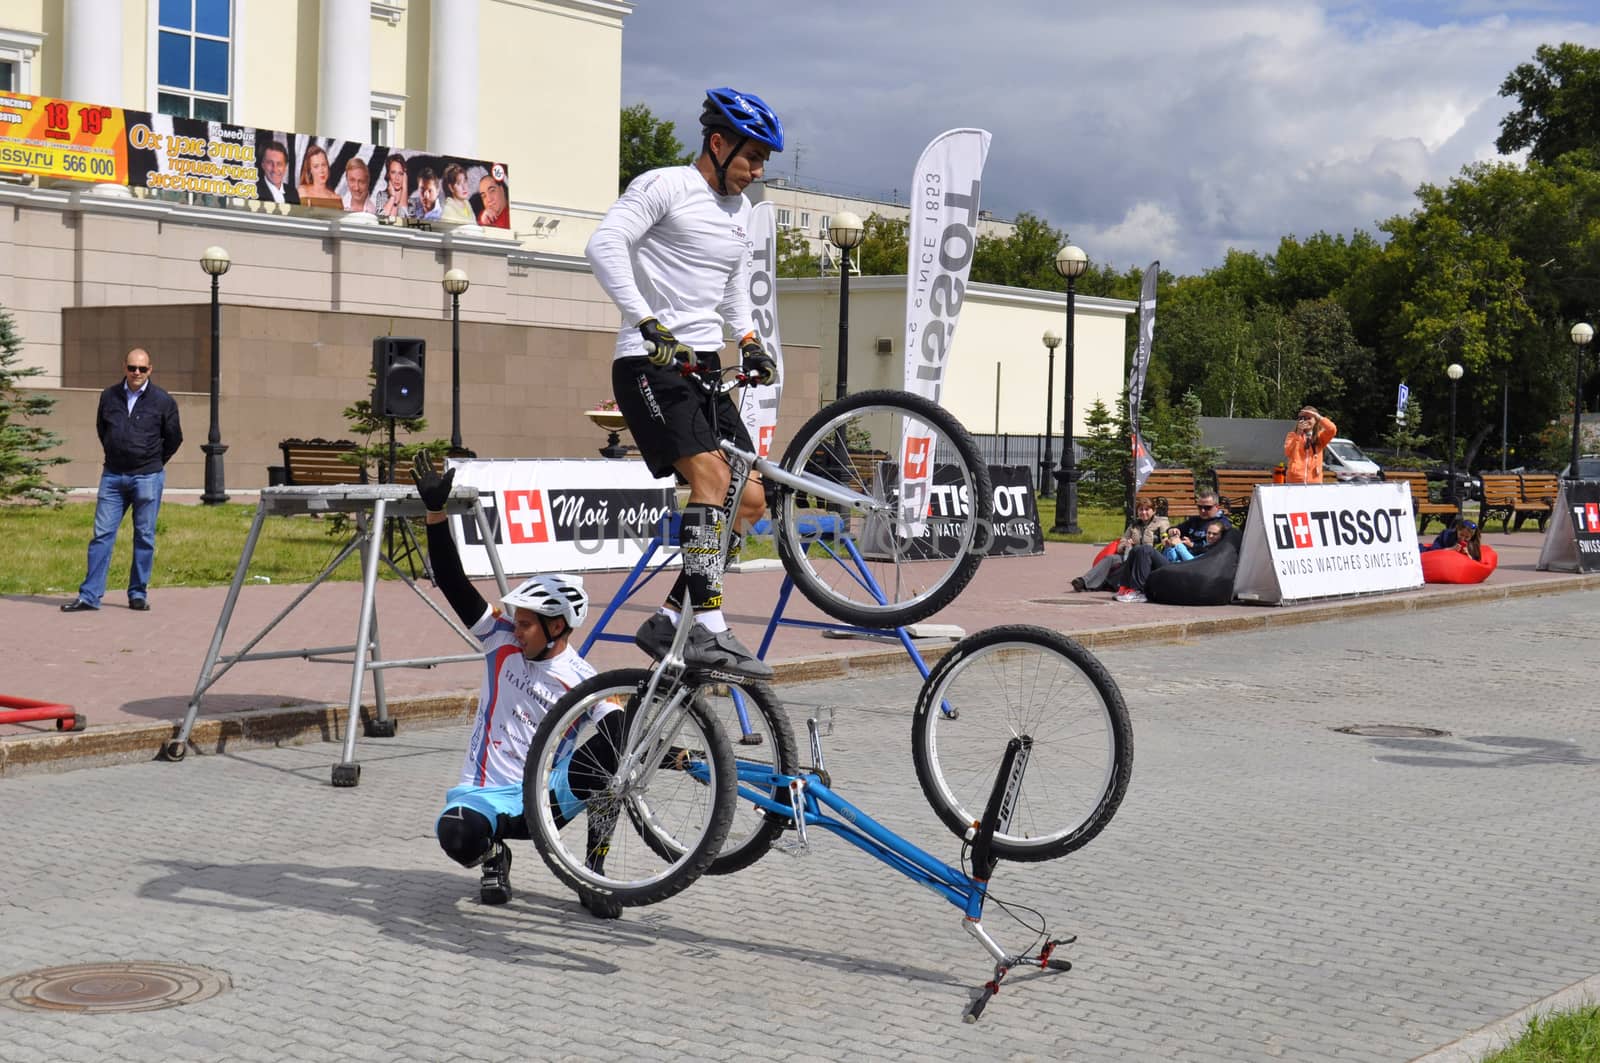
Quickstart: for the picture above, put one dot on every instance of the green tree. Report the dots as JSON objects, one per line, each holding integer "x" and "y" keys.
{"x": 1024, "y": 259}
{"x": 1105, "y": 456}
{"x": 1172, "y": 433}
{"x": 1558, "y": 98}
{"x": 794, "y": 255}
{"x": 883, "y": 250}
{"x": 648, "y": 142}
{"x": 24, "y": 448}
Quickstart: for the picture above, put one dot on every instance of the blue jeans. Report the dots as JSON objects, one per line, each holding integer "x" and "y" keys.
{"x": 118, "y": 493}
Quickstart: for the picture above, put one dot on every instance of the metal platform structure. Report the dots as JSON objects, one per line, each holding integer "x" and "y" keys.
{"x": 379, "y": 511}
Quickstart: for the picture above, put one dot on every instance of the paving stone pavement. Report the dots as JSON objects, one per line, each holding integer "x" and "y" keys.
{"x": 1270, "y": 889}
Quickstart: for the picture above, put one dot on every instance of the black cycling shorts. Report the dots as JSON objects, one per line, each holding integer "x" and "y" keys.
{"x": 666, "y": 412}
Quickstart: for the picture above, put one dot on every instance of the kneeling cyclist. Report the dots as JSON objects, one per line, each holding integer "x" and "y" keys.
{"x": 529, "y": 667}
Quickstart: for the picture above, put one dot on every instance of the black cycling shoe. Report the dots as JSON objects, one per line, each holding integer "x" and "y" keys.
{"x": 495, "y": 886}
{"x": 721, "y": 651}
{"x": 655, "y": 635}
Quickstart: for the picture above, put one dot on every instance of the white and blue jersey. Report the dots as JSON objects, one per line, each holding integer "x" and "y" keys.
{"x": 515, "y": 695}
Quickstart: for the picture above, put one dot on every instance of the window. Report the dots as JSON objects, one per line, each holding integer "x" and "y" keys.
{"x": 805, "y": 219}
{"x": 823, "y": 226}
{"x": 18, "y": 50}
{"x": 783, "y": 217}
{"x": 193, "y": 58}
{"x": 385, "y": 114}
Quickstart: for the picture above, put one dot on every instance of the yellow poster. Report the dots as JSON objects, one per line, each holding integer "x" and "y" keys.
{"x": 59, "y": 138}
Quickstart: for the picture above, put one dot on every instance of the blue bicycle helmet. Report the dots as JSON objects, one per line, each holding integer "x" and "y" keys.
{"x": 744, "y": 114}
{"x": 747, "y": 116}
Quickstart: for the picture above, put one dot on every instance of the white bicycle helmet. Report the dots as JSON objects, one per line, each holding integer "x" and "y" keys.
{"x": 557, "y": 594}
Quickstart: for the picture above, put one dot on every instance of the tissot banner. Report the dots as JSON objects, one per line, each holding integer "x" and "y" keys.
{"x": 1014, "y": 532}
{"x": 1320, "y": 540}
{"x": 942, "y": 237}
{"x": 1143, "y": 464}
{"x": 759, "y": 406}
{"x": 1572, "y": 537}
{"x": 565, "y": 515}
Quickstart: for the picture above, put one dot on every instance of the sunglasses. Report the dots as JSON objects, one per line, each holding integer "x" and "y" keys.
{"x": 1207, "y": 505}
{"x": 138, "y": 369}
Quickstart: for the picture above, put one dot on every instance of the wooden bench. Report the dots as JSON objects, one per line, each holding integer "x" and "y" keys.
{"x": 1501, "y": 493}
{"x": 1171, "y": 491}
{"x": 1426, "y": 509}
{"x": 1237, "y": 487}
{"x": 1535, "y": 498}
{"x": 321, "y": 463}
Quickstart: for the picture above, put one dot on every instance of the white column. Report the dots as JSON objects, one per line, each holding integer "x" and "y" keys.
{"x": 344, "y": 70}
{"x": 453, "y": 78}
{"x": 92, "y": 72}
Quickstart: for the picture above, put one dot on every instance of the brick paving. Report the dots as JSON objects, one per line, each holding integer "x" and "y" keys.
{"x": 1270, "y": 889}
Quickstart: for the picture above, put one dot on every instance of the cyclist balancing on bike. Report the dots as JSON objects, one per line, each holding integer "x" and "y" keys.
{"x": 673, "y": 253}
{"x": 529, "y": 666}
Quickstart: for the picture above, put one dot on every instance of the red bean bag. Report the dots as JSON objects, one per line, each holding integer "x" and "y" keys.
{"x": 1452, "y": 566}
{"x": 1110, "y": 548}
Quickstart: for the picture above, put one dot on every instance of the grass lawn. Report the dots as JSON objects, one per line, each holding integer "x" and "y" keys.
{"x": 199, "y": 546}
{"x": 1562, "y": 1037}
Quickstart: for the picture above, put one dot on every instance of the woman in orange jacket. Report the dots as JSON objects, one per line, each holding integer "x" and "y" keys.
{"x": 1302, "y": 448}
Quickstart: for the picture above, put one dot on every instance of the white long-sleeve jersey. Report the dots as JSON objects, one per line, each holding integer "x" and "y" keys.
{"x": 672, "y": 249}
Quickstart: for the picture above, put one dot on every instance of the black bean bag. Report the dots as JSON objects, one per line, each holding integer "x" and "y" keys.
{"x": 1207, "y": 580}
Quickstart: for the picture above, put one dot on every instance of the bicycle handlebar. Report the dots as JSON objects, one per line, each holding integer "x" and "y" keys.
{"x": 702, "y": 375}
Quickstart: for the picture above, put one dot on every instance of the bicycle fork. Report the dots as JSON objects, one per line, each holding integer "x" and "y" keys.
{"x": 997, "y": 817}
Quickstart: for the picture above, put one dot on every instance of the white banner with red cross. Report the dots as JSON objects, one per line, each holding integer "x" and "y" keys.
{"x": 1322, "y": 540}
{"x": 758, "y": 406}
{"x": 560, "y": 515}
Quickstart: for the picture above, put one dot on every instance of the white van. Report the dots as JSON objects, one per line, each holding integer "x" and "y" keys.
{"x": 1345, "y": 460}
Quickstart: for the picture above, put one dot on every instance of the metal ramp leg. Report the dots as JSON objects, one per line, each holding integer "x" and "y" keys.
{"x": 347, "y": 772}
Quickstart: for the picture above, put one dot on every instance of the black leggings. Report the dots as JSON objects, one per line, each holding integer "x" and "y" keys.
{"x": 466, "y": 835}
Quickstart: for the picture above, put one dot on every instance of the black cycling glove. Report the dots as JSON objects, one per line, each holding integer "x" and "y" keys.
{"x": 756, "y": 362}
{"x": 433, "y": 488}
{"x": 660, "y": 345}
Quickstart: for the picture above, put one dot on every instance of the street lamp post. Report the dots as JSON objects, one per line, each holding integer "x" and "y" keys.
{"x": 1052, "y": 340}
{"x": 845, "y": 232}
{"x": 455, "y": 282}
{"x": 215, "y": 261}
{"x": 1454, "y": 373}
{"x": 1582, "y": 333}
{"x": 1070, "y": 263}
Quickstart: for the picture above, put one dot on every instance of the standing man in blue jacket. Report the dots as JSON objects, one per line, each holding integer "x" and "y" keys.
{"x": 139, "y": 431}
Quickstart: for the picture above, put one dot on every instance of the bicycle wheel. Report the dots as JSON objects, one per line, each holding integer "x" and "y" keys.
{"x": 863, "y": 564}
{"x": 767, "y": 746}
{"x": 574, "y": 801}
{"x": 1021, "y": 680}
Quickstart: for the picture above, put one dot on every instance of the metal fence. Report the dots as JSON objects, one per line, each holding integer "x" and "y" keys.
{"x": 1009, "y": 449}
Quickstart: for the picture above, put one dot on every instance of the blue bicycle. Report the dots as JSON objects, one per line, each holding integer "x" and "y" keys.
{"x": 1020, "y": 739}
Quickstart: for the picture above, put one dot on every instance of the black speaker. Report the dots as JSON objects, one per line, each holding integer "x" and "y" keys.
{"x": 397, "y": 363}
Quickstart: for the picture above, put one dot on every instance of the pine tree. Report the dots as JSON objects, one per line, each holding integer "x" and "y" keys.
{"x": 24, "y": 448}
{"x": 1105, "y": 457}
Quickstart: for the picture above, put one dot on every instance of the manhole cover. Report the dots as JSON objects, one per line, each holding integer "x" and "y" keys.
{"x": 1392, "y": 730}
{"x": 96, "y": 987}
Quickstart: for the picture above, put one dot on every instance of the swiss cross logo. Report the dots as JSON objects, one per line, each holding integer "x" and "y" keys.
{"x": 764, "y": 440}
{"x": 1591, "y": 516}
{"x": 525, "y": 517}
{"x": 915, "y": 464}
{"x": 1300, "y": 526}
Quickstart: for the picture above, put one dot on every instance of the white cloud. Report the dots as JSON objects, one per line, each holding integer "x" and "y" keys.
{"x": 1205, "y": 125}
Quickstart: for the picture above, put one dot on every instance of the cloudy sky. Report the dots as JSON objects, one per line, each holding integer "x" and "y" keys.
{"x": 1169, "y": 129}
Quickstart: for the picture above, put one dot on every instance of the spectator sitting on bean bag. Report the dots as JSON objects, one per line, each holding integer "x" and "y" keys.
{"x": 1173, "y": 549}
{"x": 1207, "y": 580}
{"x": 1461, "y": 535}
{"x": 1143, "y": 560}
{"x": 1147, "y": 529}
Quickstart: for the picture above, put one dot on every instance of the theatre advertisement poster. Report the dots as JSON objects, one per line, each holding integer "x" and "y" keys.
{"x": 162, "y": 153}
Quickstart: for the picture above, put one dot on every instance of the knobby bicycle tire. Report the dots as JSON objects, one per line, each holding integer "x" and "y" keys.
{"x": 689, "y": 792}
{"x": 830, "y": 445}
{"x": 1024, "y": 680}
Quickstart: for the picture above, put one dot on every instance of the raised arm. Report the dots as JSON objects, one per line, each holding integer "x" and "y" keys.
{"x": 443, "y": 557}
